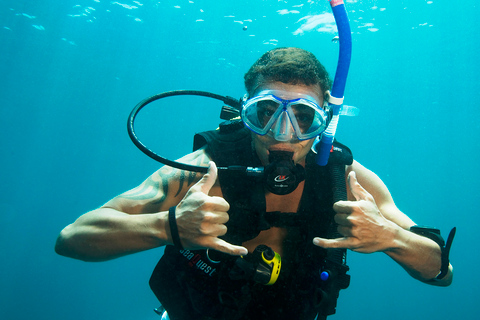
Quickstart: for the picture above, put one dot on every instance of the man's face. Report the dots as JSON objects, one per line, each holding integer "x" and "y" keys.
{"x": 266, "y": 143}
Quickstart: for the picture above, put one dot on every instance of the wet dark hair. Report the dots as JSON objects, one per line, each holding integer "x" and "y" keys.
{"x": 287, "y": 65}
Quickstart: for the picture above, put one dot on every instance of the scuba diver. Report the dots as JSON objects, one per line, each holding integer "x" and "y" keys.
{"x": 240, "y": 246}
{"x": 257, "y": 220}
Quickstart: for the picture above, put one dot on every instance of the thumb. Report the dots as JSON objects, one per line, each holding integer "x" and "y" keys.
{"x": 332, "y": 243}
{"x": 223, "y": 246}
{"x": 357, "y": 190}
{"x": 208, "y": 180}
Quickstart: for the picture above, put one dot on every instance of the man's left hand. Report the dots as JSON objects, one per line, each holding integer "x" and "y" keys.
{"x": 362, "y": 225}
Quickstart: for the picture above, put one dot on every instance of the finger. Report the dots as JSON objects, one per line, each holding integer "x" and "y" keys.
{"x": 345, "y": 231}
{"x": 343, "y": 207}
{"x": 342, "y": 219}
{"x": 220, "y": 217}
{"x": 208, "y": 180}
{"x": 223, "y": 246}
{"x": 219, "y": 204}
{"x": 212, "y": 230}
{"x": 357, "y": 190}
{"x": 344, "y": 243}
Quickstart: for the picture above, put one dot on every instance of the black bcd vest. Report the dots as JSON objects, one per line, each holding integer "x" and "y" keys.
{"x": 195, "y": 284}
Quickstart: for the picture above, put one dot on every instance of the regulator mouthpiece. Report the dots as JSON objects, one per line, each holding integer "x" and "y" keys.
{"x": 282, "y": 175}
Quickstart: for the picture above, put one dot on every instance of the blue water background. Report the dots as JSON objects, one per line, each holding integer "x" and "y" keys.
{"x": 71, "y": 71}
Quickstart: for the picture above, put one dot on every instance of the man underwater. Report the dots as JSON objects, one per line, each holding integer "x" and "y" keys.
{"x": 212, "y": 224}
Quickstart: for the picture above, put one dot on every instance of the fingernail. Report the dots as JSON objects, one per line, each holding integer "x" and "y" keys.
{"x": 244, "y": 252}
{"x": 316, "y": 241}
{"x": 351, "y": 174}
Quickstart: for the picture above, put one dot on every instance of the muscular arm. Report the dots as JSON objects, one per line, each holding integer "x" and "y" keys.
{"x": 106, "y": 233}
{"x": 133, "y": 221}
{"x": 371, "y": 222}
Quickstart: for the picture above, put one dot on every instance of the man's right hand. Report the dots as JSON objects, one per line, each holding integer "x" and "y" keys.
{"x": 201, "y": 218}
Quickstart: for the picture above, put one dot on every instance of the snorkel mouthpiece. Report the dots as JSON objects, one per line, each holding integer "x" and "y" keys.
{"x": 282, "y": 176}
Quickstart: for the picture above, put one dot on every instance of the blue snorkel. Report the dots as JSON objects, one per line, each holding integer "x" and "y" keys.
{"x": 334, "y": 272}
{"x": 335, "y": 101}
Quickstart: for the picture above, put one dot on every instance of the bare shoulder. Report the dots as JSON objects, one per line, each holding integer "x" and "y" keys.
{"x": 163, "y": 189}
{"x": 377, "y": 188}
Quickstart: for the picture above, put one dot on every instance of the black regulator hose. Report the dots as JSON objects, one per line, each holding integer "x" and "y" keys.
{"x": 282, "y": 175}
{"x": 131, "y": 127}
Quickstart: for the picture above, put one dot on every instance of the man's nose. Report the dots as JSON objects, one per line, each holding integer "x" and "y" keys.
{"x": 283, "y": 129}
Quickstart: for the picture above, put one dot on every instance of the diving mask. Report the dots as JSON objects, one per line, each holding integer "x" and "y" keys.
{"x": 300, "y": 118}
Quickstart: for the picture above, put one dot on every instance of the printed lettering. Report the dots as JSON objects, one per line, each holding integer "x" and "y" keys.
{"x": 195, "y": 260}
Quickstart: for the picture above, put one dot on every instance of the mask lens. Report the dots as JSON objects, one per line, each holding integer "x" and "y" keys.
{"x": 264, "y": 112}
{"x": 305, "y": 116}
{"x": 308, "y": 119}
{"x": 259, "y": 113}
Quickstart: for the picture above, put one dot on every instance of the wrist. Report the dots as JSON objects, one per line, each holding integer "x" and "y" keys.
{"x": 398, "y": 238}
{"x": 156, "y": 230}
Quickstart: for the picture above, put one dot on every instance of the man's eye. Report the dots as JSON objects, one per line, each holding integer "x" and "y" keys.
{"x": 267, "y": 108}
{"x": 267, "y": 112}
{"x": 304, "y": 116}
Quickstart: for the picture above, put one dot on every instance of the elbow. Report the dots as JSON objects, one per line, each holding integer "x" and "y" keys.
{"x": 71, "y": 244}
{"x": 61, "y": 245}
{"x": 64, "y": 249}
{"x": 445, "y": 281}
{"x": 65, "y": 245}
{"x": 448, "y": 279}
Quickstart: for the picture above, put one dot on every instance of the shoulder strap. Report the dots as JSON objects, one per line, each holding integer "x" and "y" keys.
{"x": 334, "y": 274}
